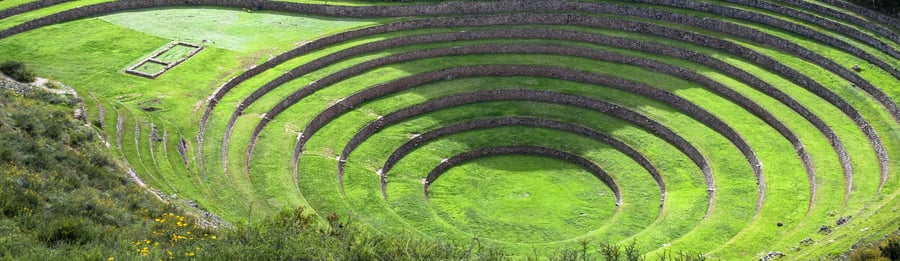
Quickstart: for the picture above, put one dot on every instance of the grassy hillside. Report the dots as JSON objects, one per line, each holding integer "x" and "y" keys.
{"x": 63, "y": 197}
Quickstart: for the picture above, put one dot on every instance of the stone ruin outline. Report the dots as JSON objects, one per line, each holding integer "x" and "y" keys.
{"x": 168, "y": 65}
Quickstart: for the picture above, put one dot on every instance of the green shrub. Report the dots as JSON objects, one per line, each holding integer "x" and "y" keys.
{"x": 891, "y": 249}
{"x": 680, "y": 256}
{"x": 69, "y": 230}
{"x": 887, "y": 249}
{"x": 17, "y": 71}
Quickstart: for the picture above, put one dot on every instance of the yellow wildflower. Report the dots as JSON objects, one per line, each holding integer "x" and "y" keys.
{"x": 213, "y": 237}
{"x": 110, "y": 259}
{"x": 189, "y": 254}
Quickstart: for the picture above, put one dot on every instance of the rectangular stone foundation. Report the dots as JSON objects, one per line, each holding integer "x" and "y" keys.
{"x": 166, "y": 65}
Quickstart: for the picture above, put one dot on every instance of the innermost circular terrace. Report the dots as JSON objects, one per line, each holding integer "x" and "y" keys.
{"x": 529, "y": 197}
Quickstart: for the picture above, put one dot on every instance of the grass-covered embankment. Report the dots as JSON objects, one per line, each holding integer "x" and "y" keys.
{"x": 62, "y": 196}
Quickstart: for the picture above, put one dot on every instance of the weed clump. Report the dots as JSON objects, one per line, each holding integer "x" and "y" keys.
{"x": 887, "y": 249}
{"x": 18, "y": 71}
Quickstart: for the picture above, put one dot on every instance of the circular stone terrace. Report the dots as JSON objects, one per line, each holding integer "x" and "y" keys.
{"x": 729, "y": 128}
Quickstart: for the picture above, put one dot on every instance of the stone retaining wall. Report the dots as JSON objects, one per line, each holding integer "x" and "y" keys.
{"x": 585, "y": 37}
{"x": 495, "y": 70}
{"x": 101, "y": 115}
{"x": 182, "y": 148}
{"x": 749, "y": 34}
{"x": 424, "y": 138}
{"x": 827, "y": 23}
{"x": 539, "y": 71}
{"x": 496, "y": 95}
{"x": 568, "y": 19}
{"x": 467, "y": 8}
{"x": 708, "y": 41}
{"x": 444, "y": 9}
{"x": 26, "y": 7}
{"x": 587, "y": 53}
{"x": 528, "y": 150}
{"x": 120, "y": 121}
{"x": 137, "y": 137}
{"x": 788, "y": 26}
{"x": 894, "y": 22}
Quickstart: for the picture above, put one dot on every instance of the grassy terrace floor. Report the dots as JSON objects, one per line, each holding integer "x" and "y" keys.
{"x": 523, "y": 203}
{"x": 13, "y": 3}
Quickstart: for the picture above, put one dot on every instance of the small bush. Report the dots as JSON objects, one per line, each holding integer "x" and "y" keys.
{"x": 53, "y": 85}
{"x": 70, "y": 230}
{"x": 887, "y": 249}
{"x": 667, "y": 255}
{"x": 891, "y": 249}
{"x": 17, "y": 71}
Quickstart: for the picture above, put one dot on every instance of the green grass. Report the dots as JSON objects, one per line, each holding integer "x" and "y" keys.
{"x": 98, "y": 61}
{"x": 476, "y": 218}
{"x": 816, "y": 27}
{"x": 522, "y": 187}
{"x": 25, "y": 17}
{"x": 483, "y": 198}
{"x": 394, "y": 100}
{"x": 6, "y": 4}
{"x": 797, "y": 40}
{"x": 267, "y": 32}
{"x": 680, "y": 175}
{"x": 176, "y": 53}
{"x": 64, "y": 198}
{"x": 150, "y": 67}
{"x": 414, "y": 66}
{"x": 863, "y": 183}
